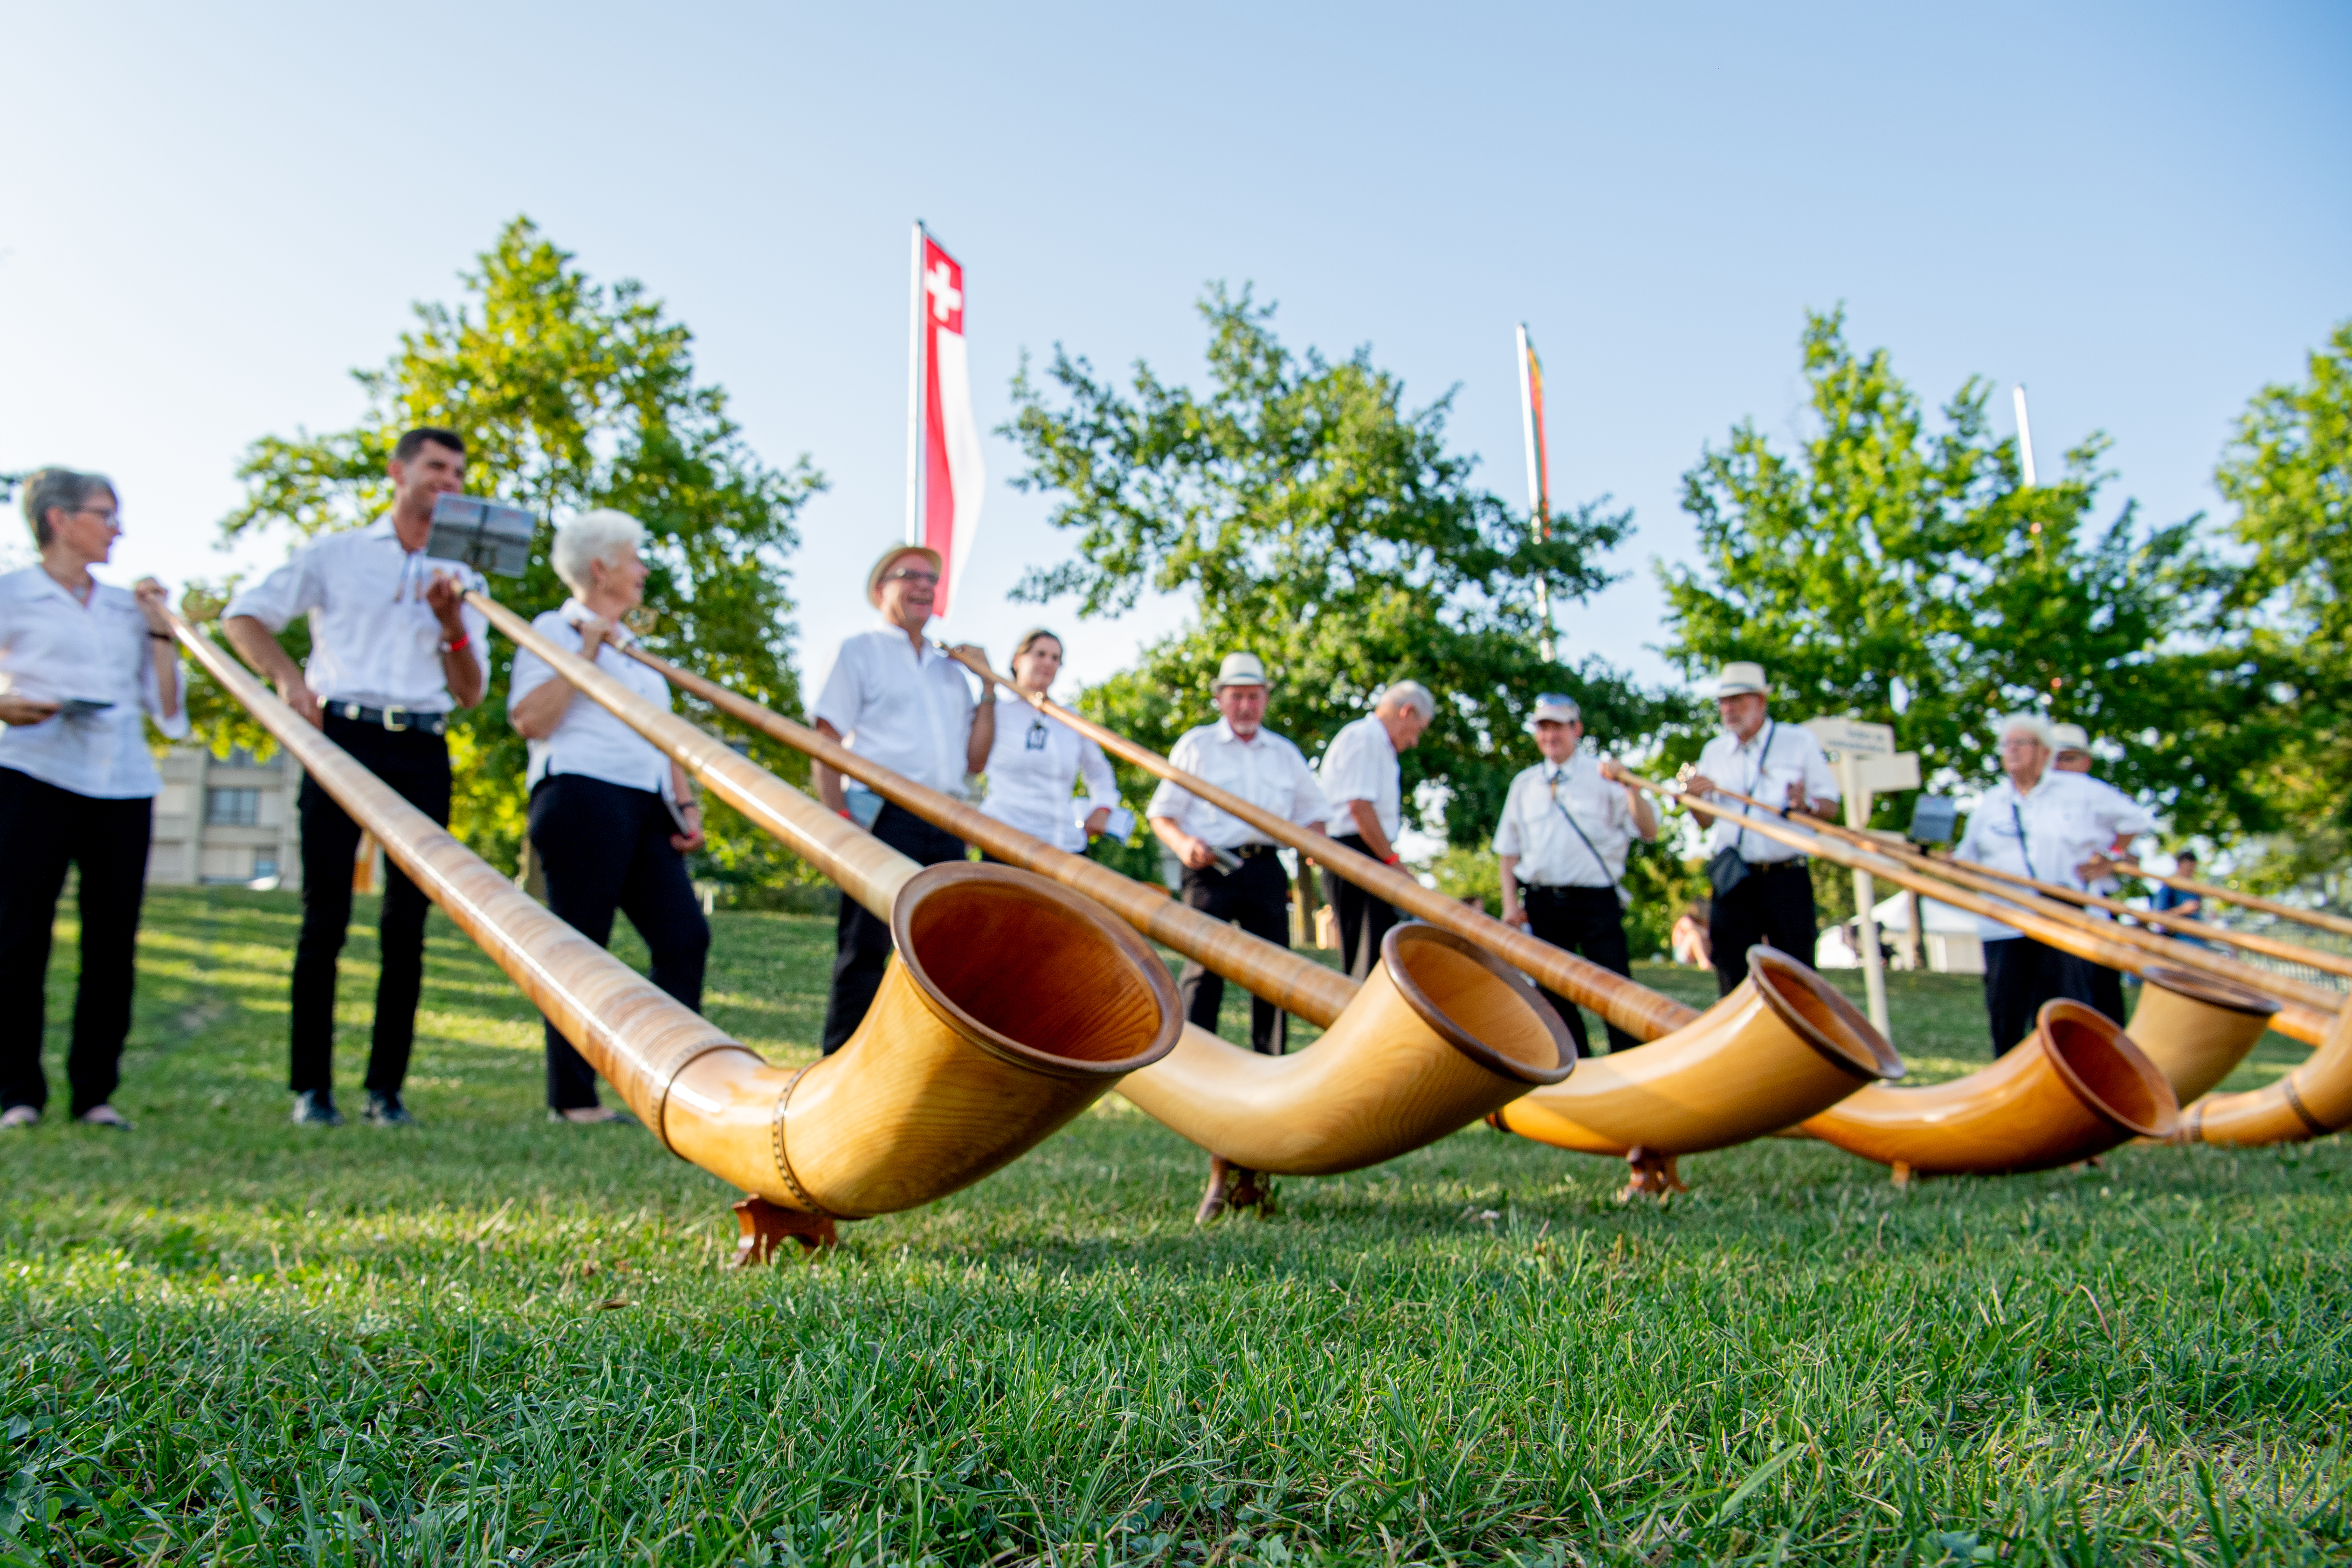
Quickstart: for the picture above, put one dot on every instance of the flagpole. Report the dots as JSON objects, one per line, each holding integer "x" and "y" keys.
{"x": 2024, "y": 433}
{"x": 1535, "y": 488}
{"x": 915, "y": 394}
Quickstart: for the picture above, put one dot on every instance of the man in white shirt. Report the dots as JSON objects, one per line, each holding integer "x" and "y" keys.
{"x": 1361, "y": 779}
{"x": 2052, "y": 827}
{"x": 1229, "y": 869}
{"x": 1231, "y": 872}
{"x": 899, "y": 700}
{"x": 1763, "y": 888}
{"x": 394, "y": 650}
{"x": 1567, "y": 825}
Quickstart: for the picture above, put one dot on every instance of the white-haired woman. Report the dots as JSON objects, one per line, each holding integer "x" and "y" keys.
{"x": 83, "y": 666}
{"x": 1035, "y": 763}
{"x": 2039, "y": 821}
{"x": 611, "y": 817}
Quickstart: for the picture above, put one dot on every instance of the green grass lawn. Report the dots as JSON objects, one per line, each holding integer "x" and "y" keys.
{"x": 494, "y": 1341}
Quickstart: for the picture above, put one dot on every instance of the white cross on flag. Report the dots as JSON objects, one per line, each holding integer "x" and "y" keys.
{"x": 949, "y": 471}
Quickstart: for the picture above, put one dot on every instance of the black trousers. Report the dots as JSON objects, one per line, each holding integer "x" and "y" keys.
{"x": 1589, "y": 922}
{"x": 606, "y": 847}
{"x": 1364, "y": 920}
{"x": 42, "y": 829}
{"x": 1258, "y": 897}
{"x": 2020, "y": 975}
{"x": 416, "y": 766}
{"x": 862, "y": 949}
{"x": 1773, "y": 904}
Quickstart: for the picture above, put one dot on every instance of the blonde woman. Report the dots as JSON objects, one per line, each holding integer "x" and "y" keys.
{"x": 1035, "y": 763}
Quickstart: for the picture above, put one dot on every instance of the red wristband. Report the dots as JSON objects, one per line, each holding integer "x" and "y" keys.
{"x": 1393, "y": 860}
{"x": 464, "y": 641}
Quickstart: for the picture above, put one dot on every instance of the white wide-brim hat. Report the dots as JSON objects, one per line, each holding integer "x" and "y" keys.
{"x": 1239, "y": 669}
{"x": 1741, "y": 677}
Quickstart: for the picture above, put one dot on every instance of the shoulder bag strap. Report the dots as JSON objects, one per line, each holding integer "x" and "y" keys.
{"x": 2024, "y": 852}
{"x": 1569, "y": 817}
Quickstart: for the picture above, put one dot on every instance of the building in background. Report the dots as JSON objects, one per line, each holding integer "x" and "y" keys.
{"x": 229, "y": 821}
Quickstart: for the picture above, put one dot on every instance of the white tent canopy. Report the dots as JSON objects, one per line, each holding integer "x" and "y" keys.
{"x": 1894, "y": 914}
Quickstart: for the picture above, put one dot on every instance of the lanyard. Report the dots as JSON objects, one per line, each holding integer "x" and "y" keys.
{"x": 2023, "y": 852}
{"x": 1569, "y": 817}
{"x": 1739, "y": 834}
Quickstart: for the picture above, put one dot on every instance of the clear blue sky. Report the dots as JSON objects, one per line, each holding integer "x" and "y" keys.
{"x": 2144, "y": 213}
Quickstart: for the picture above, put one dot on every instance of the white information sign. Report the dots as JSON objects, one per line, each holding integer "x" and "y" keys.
{"x": 1851, "y": 735}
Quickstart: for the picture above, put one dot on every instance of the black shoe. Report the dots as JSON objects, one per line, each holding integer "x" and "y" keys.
{"x": 316, "y": 1108}
{"x": 386, "y": 1110}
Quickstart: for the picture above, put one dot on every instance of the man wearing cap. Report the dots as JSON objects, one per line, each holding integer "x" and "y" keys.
{"x": 2071, "y": 746}
{"x": 1763, "y": 888}
{"x": 395, "y": 649}
{"x": 1229, "y": 869}
{"x": 1567, "y": 825}
{"x": 2052, "y": 827}
{"x": 1360, "y": 777}
{"x": 895, "y": 698}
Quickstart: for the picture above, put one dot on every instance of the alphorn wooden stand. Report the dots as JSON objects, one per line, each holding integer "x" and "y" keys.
{"x": 1773, "y": 1052}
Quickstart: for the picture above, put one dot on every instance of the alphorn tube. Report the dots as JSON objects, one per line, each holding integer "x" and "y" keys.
{"x": 963, "y": 1064}
{"x": 1438, "y": 1038}
{"x": 2312, "y": 1101}
{"x": 2308, "y": 1023}
{"x": 2076, "y": 1087}
{"x": 1637, "y": 1010}
{"x": 2197, "y": 1027}
{"x": 1787, "y": 1039}
{"x": 2318, "y": 919}
{"x": 1986, "y": 878}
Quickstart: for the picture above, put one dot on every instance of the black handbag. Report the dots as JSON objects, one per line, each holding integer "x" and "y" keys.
{"x": 1726, "y": 871}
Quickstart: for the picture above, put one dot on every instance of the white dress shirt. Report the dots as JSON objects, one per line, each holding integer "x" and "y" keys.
{"x": 908, "y": 709}
{"x": 1360, "y": 763}
{"x": 52, "y": 647}
{"x": 588, "y": 738}
{"x": 1550, "y": 854}
{"x": 373, "y": 639}
{"x": 1264, "y": 770}
{"x": 1032, "y": 768}
{"x": 2044, "y": 833}
{"x": 1764, "y": 766}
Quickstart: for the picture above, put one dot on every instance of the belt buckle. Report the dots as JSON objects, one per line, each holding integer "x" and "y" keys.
{"x": 396, "y": 720}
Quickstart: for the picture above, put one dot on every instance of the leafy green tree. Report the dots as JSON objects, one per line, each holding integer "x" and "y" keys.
{"x": 1317, "y": 522}
{"x": 570, "y": 394}
{"x": 1895, "y": 572}
{"x": 2289, "y": 473}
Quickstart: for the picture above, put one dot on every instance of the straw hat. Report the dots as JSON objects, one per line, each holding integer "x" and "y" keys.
{"x": 1742, "y": 677}
{"x": 883, "y": 563}
{"x": 1239, "y": 669}
{"x": 2070, "y": 738}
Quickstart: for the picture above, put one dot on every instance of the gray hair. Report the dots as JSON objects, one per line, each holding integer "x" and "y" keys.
{"x": 1411, "y": 697}
{"x": 593, "y": 536}
{"x": 2033, "y": 724}
{"x": 64, "y": 488}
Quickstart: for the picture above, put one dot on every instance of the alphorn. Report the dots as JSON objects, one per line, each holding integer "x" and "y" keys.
{"x": 2318, "y": 919}
{"x": 2064, "y": 929}
{"x": 1974, "y": 874}
{"x": 1779, "y": 1046}
{"x": 1635, "y": 1009}
{"x": 2312, "y": 1101}
{"x": 963, "y": 1063}
{"x": 1438, "y": 1037}
{"x": 1772, "y": 1052}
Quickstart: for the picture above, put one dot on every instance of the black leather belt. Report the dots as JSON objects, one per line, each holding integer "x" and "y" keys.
{"x": 1531, "y": 889}
{"x": 396, "y": 720}
{"x": 1251, "y": 851}
{"x": 1765, "y": 868}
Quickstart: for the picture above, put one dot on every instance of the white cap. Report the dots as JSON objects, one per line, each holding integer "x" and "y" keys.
{"x": 1554, "y": 707}
{"x": 1742, "y": 677}
{"x": 1239, "y": 669}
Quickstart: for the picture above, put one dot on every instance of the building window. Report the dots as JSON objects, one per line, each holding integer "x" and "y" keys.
{"x": 232, "y": 807}
{"x": 265, "y": 864}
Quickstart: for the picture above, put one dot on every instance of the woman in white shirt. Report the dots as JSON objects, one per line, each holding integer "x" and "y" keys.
{"x": 1035, "y": 763}
{"x": 83, "y": 665}
{"x": 611, "y": 817}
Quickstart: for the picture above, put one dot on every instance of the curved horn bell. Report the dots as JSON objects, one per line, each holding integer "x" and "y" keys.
{"x": 2077, "y": 1087}
{"x": 963, "y": 1063}
{"x": 2312, "y": 1101}
{"x": 1780, "y": 1047}
{"x": 2197, "y": 1027}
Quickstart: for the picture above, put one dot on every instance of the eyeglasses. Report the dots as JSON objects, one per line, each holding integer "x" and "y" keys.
{"x": 909, "y": 574}
{"x": 2017, "y": 743}
{"x": 110, "y": 516}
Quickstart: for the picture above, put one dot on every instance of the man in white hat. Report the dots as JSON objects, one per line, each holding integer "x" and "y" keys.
{"x": 2052, "y": 827}
{"x": 2070, "y": 745}
{"x": 1361, "y": 778}
{"x": 1567, "y": 825}
{"x": 1229, "y": 869}
{"x": 1763, "y": 888}
{"x": 897, "y": 699}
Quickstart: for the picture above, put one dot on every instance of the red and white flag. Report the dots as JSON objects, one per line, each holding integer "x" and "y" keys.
{"x": 946, "y": 475}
